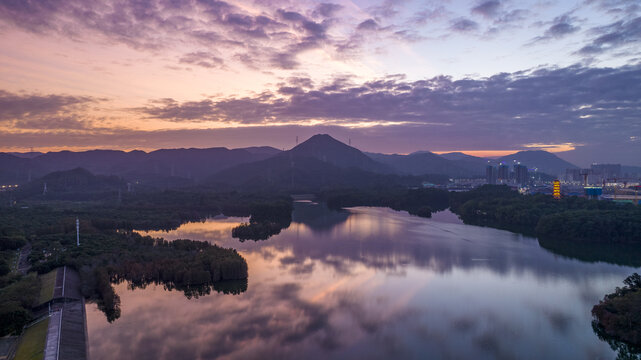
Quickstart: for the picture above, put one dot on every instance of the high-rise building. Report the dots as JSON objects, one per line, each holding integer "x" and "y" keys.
{"x": 573, "y": 175}
{"x": 490, "y": 175}
{"x": 605, "y": 172}
{"x": 503, "y": 173}
{"x": 521, "y": 174}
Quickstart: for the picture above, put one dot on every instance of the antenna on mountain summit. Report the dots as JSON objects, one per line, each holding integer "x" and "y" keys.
{"x": 297, "y": 140}
{"x": 349, "y": 140}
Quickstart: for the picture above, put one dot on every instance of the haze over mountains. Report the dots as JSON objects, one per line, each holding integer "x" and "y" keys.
{"x": 321, "y": 160}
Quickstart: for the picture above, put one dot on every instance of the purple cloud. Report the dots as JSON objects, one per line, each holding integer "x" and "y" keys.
{"x": 489, "y": 9}
{"x": 368, "y": 25}
{"x": 568, "y": 105}
{"x": 202, "y": 58}
{"x": 463, "y": 25}
{"x": 34, "y": 111}
{"x": 327, "y": 10}
{"x": 561, "y": 26}
{"x": 154, "y": 25}
{"x": 613, "y": 36}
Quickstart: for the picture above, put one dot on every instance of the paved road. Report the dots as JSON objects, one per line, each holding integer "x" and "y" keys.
{"x": 23, "y": 261}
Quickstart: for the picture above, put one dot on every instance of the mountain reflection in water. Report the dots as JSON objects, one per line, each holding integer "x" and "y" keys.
{"x": 371, "y": 283}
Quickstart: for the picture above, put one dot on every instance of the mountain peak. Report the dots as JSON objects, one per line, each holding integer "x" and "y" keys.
{"x": 325, "y": 148}
{"x": 321, "y": 139}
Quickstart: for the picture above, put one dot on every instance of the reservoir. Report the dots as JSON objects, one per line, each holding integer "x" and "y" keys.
{"x": 371, "y": 283}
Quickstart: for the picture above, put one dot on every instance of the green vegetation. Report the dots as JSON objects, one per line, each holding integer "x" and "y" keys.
{"x": 567, "y": 219}
{"x": 618, "y": 315}
{"x": 16, "y": 301}
{"x": 10, "y": 242}
{"x": 267, "y": 219}
{"x": 111, "y": 252}
{"x": 33, "y": 342}
{"x": 47, "y": 284}
{"x": 628, "y": 254}
{"x": 420, "y": 202}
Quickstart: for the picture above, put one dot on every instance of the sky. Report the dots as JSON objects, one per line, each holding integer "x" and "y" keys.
{"x": 484, "y": 77}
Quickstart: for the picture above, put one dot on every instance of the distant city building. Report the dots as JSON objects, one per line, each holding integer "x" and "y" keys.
{"x": 521, "y": 174}
{"x": 573, "y": 175}
{"x": 490, "y": 174}
{"x": 503, "y": 173}
{"x": 593, "y": 192}
{"x": 604, "y": 172}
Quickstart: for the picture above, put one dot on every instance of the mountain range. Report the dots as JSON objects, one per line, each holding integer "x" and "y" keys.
{"x": 319, "y": 161}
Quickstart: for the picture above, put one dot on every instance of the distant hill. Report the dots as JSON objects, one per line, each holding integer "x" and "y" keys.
{"x": 472, "y": 163}
{"x": 542, "y": 160}
{"x": 73, "y": 184}
{"x": 302, "y": 174}
{"x": 26, "y": 155}
{"x": 192, "y": 163}
{"x": 16, "y": 170}
{"x": 96, "y": 161}
{"x": 164, "y": 168}
{"x": 327, "y": 149}
{"x": 262, "y": 150}
{"x": 424, "y": 162}
{"x": 455, "y": 156}
{"x": 320, "y": 161}
{"x": 460, "y": 164}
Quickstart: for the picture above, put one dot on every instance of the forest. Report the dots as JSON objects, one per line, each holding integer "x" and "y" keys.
{"x": 567, "y": 219}
{"x": 267, "y": 219}
{"x": 618, "y": 316}
{"x": 110, "y": 252}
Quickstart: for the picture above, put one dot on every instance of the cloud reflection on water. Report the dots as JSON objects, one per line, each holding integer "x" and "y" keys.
{"x": 370, "y": 283}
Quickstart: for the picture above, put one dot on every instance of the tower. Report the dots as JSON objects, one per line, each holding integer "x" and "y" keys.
{"x": 77, "y": 232}
{"x": 556, "y": 189}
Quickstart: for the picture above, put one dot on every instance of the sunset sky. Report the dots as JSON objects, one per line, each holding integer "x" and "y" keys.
{"x": 485, "y": 77}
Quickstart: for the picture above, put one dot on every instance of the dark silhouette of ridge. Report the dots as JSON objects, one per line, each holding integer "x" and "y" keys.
{"x": 424, "y": 162}
{"x": 542, "y": 160}
{"x": 325, "y": 148}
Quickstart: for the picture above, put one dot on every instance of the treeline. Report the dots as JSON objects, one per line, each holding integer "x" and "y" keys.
{"x": 166, "y": 210}
{"x": 618, "y": 315}
{"x": 570, "y": 218}
{"x": 420, "y": 202}
{"x": 106, "y": 257}
{"x": 16, "y": 300}
{"x": 192, "y": 267}
{"x": 110, "y": 252}
{"x": 267, "y": 219}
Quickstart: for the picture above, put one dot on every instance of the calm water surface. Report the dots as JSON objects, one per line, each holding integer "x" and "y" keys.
{"x": 370, "y": 283}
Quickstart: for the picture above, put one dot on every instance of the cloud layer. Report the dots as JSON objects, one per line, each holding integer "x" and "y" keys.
{"x": 574, "y": 104}
{"x": 34, "y": 111}
{"x": 158, "y": 73}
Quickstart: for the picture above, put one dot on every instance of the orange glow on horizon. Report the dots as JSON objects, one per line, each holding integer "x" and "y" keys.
{"x": 480, "y": 153}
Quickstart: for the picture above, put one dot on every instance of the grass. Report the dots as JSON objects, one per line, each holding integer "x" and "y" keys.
{"x": 33, "y": 342}
{"x": 47, "y": 283}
